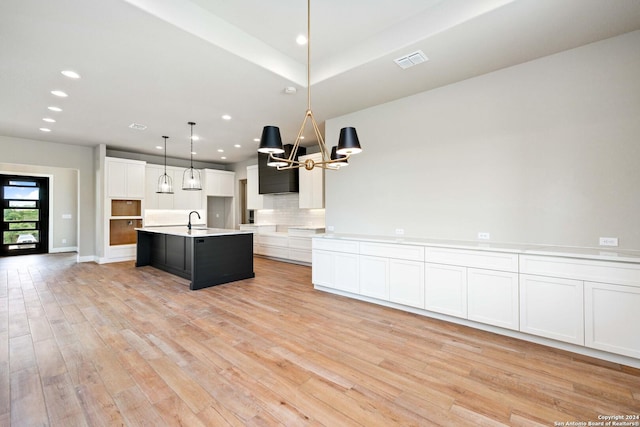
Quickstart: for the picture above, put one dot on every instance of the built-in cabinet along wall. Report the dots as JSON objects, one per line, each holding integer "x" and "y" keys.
{"x": 570, "y": 300}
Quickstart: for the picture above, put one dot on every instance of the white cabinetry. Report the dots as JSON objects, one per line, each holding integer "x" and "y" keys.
{"x": 477, "y": 285}
{"x": 374, "y": 277}
{"x": 125, "y": 178}
{"x": 446, "y": 289}
{"x": 492, "y": 297}
{"x": 611, "y": 318}
{"x": 552, "y": 307}
{"x": 254, "y": 199}
{"x": 219, "y": 183}
{"x": 311, "y": 184}
{"x": 403, "y": 268}
{"x": 152, "y": 199}
{"x": 335, "y": 264}
{"x": 406, "y": 282}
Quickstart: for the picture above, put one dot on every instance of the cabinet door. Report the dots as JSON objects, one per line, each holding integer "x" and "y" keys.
{"x": 219, "y": 183}
{"x": 116, "y": 179}
{"x": 254, "y": 199}
{"x": 445, "y": 289}
{"x": 406, "y": 282}
{"x": 611, "y": 318}
{"x": 152, "y": 173}
{"x": 135, "y": 180}
{"x": 322, "y": 268}
{"x": 374, "y": 277}
{"x": 311, "y": 187}
{"x": 552, "y": 308}
{"x": 492, "y": 297}
{"x": 346, "y": 272}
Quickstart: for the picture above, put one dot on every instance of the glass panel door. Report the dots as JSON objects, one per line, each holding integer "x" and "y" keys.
{"x": 25, "y": 207}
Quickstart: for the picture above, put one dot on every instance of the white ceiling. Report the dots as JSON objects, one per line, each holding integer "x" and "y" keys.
{"x": 164, "y": 63}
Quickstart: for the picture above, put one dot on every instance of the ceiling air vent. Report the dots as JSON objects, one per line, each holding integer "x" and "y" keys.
{"x": 137, "y": 126}
{"x": 414, "y": 58}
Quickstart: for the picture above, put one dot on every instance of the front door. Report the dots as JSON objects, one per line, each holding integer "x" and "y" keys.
{"x": 25, "y": 214}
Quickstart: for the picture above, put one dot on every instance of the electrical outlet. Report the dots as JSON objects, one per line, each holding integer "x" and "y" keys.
{"x": 484, "y": 236}
{"x": 329, "y": 227}
{"x": 64, "y": 240}
{"x": 608, "y": 241}
{"x": 400, "y": 231}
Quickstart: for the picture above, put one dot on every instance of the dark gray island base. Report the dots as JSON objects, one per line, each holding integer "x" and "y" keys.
{"x": 207, "y": 257}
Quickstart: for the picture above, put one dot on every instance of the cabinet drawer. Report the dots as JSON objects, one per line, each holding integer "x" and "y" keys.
{"x": 300, "y": 243}
{"x": 348, "y": 246}
{"x": 274, "y": 251}
{"x": 269, "y": 240}
{"x": 408, "y": 252}
{"x": 300, "y": 255}
{"x": 468, "y": 258}
{"x": 620, "y": 273}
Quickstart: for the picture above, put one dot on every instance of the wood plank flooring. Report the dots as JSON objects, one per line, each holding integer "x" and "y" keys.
{"x": 110, "y": 345}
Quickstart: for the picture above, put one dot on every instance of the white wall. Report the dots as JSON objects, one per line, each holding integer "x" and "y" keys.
{"x": 544, "y": 152}
{"x": 17, "y": 151}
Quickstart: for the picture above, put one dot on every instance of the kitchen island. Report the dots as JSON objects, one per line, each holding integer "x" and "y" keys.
{"x": 206, "y": 256}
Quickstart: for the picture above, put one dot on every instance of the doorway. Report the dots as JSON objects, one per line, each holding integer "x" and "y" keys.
{"x": 25, "y": 215}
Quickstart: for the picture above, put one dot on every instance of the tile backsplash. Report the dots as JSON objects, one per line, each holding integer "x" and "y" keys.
{"x": 283, "y": 211}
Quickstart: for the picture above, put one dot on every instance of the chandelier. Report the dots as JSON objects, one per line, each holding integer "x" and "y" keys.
{"x": 337, "y": 157}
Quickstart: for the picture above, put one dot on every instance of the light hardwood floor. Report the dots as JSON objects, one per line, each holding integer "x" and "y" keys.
{"x": 109, "y": 345}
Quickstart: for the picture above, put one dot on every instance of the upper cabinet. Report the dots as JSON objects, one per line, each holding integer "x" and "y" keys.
{"x": 179, "y": 199}
{"x": 255, "y": 200}
{"x": 311, "y": 184}
{"x": 125, "y": 178}
{"x": 219, "y": 183}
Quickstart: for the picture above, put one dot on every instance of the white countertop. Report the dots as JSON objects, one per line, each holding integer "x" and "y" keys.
{"x": 605, "y": 254}
{"x": 194, "y": 232}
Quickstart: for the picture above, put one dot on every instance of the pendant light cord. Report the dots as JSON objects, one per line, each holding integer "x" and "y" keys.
{"x": 309, "y": 55}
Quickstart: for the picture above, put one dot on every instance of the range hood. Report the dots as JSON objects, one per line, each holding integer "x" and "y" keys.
{"x": 273, "y": 181}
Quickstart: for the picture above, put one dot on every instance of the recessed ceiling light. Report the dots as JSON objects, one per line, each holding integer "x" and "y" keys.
{"x": 137, "y": 126}
{"x": 196, "y": 138}
{"x": 59, "y": 93}
{"x": 71, "y": 74}
{"x": 220, "y": 150}
{"x": 226, "y": 117}
{"x": 301, "y": 136}
{"x": 56, "y": 109}
{"x": 49, "y": 120}
{"x": 301, "y": 39}
{"x": 159, "y": 147}
{"x": 194, "y": 153}
{"x": 237, "y": 145}
{"x": 256, "y": 139}
{"x": 223, "y": 158}
{"x": 45, "y": 129}
{"x": 290, "y": 90}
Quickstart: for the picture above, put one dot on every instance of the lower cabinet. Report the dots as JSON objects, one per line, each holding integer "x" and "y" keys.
{"x": 552, "y": 307}
{"x": 445, "y": 289}
{"x": 559, "y": 298}
{"x": 336, "y": 270}
{"x": 406, "y": 282}
{"x": 493, "y": 297}
{"x": 611, "y": 318}
{"x": 374, "y": 277}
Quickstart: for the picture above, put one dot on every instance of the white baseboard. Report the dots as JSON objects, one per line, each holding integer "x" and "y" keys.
{"x": 60, "y": 250}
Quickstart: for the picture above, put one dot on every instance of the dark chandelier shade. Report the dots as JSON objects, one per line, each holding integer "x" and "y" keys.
{"x": 165, "y": 183}
{"x": 191, "y": 177}
{"x": 271, "y": 141}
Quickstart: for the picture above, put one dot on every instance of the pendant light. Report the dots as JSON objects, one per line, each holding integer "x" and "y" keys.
{"x": 165, "y": 183}
{"x": 191, "y": 177}
{"x": 271, "y": 142}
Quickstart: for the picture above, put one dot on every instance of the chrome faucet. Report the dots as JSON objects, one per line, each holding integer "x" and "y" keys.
{"x": 192, "y": 212}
